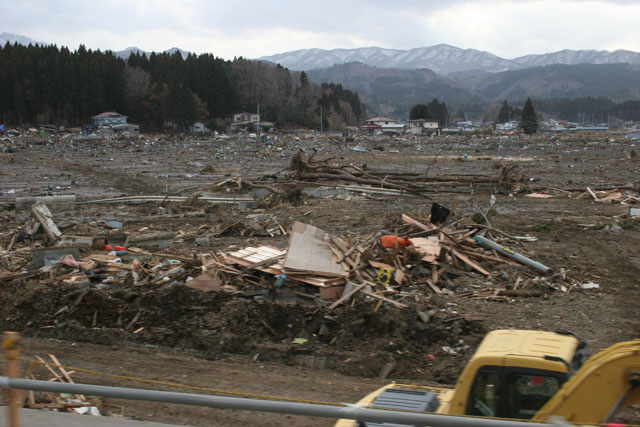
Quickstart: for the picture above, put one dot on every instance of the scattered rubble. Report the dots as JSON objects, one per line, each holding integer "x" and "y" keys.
{"x": 229, "y": 245}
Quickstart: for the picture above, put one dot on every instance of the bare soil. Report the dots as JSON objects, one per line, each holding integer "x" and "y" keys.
{"x": 219, "y": 340}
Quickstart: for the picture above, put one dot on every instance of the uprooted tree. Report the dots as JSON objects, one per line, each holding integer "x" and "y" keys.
{"x": 302, "y": 168}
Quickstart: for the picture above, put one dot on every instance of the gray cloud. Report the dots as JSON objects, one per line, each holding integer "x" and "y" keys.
{"x": 255, "y": 28}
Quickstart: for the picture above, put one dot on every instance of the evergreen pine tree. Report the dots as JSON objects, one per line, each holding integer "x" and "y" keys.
{"x": 529, "y": 122}
{"x": 419, "y": 111}
{"x": 503, "y": 114}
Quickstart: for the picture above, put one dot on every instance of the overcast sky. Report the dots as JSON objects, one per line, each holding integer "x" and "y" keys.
{"x": 254, "y": 28}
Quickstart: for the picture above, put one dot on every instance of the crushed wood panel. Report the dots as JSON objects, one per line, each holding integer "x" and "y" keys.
{"x": 308, "y": 253}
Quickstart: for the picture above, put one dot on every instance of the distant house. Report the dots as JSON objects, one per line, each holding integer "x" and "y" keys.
{"x": 109, "y": 118}
{"x": 425, "y": 127}
{"x": 241, "y": 120}
{"x": 199, "y": 127}
{"x": 512, "y": 125}
{"x": 392, "y": 128}
{"x": 380, "y": 121}
{"x": 464, "y": 124}
{"x": 129, "y": 128}
{"x": 383, "y": 124}
{"x": 427, "y": 124}
{"x": 591, "y": 128}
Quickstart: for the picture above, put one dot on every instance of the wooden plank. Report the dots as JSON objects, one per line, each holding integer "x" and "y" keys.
{"x": 347, "y": 295}
{"x": 376, "y": 264}
{"x": 184, "y": 259}
{"x": 520, "y": 293}
{"x": 57, "y": 376}
{"x": 340, "y": 244}
{"x": 317, "y": 280}
{"x": 338, "y": 253}
{"x": 435, "y": 289}
{"x": 434, "y": 274}
{"x": 23, "y": 275}
{"x": 470, "y": 263}
{"x": 58, "y": 405}
{"x": 418, "y": 224}
{"x": 44, "y": 216}
{"x": 390, "y": 301}
{"x": 538, "y": 196}
{"x": 354, "y": 247}
{"x": 263, "y": 262}
{"x": 65, "y": 374}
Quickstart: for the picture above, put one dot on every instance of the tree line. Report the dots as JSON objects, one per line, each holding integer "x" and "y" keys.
{"x": 50, "y": 85}
{"x": 435, "y": 110}
{"x": 589, "y": 109}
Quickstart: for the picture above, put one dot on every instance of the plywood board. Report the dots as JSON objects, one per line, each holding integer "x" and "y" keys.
{"x": 430, "y": 249}
{"x": 309, "y": 254}
{"x": 247, "y": 256}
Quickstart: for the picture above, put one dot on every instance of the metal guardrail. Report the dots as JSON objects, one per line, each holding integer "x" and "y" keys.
{"x": 353, "y": 412}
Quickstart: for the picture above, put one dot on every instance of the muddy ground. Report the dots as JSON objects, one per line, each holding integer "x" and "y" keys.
{"x": 220, "y": 340}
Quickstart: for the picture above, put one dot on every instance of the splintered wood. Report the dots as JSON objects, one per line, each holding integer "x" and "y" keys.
{"x": 76, "y": 403}
{"x": 433, "y": 259}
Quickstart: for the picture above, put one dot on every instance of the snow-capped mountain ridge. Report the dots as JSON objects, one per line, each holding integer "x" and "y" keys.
{"x": 443, "y": 58}
{"x": 14, "y": 38}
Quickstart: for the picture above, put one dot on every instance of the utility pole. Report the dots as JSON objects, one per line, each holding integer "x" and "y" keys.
{"x": 320, "y": 118}
{"x": 258, "y": 123}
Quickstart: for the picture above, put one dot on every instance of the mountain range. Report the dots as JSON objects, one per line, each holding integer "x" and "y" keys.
{"x": 390, "y": 81}
{"x": 124, "y": 54}
{"x": 392, "y": 91}
{"x": 443, "y": 59}
{"x": 14, "y": 38}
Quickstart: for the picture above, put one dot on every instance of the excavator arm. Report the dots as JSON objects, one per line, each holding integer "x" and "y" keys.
{"x": 607, "y": 382}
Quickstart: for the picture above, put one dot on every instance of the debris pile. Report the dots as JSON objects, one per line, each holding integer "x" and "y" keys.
{"x": 465, "y": 257}
{"x": 613, "y": 196}
{"x": 306, "y": 169}
{"x": 453, "y": 259}
{"x": 76, "y": 403}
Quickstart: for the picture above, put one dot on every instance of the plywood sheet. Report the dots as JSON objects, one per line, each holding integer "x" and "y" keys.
{"x": 430, "y": 249}
{"x": 251, "y": 255}
{"x": 309, "y": 254}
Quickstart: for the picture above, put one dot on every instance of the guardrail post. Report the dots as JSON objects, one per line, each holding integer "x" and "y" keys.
{"x": 10, "y": 345}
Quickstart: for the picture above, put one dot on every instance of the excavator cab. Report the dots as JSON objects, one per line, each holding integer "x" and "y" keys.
{"x": 512, "y": 392}
{"x": 514, "y": 373}
{"x": 528, "y": 375}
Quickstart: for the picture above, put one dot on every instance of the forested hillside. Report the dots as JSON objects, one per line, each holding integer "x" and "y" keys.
{"x": 50, "y": 85}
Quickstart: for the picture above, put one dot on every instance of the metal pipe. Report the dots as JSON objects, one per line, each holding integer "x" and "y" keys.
{"x": 510, "y": 253}
{"x": 142, "y": 199}
{"x": 68, "y": 199}
{"x": 352, "y": 412}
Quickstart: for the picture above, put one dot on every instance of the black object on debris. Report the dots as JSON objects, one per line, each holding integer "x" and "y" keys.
{"x": 439, "y": 214}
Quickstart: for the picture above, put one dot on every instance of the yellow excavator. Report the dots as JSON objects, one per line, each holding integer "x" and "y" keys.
{"x": 527, "y": 375}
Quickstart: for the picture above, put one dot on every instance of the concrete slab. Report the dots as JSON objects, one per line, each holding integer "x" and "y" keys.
{"x": 40, "y": 418}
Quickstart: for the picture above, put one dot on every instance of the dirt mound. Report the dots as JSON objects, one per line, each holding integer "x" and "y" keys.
{"x": 356, "y": 340}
